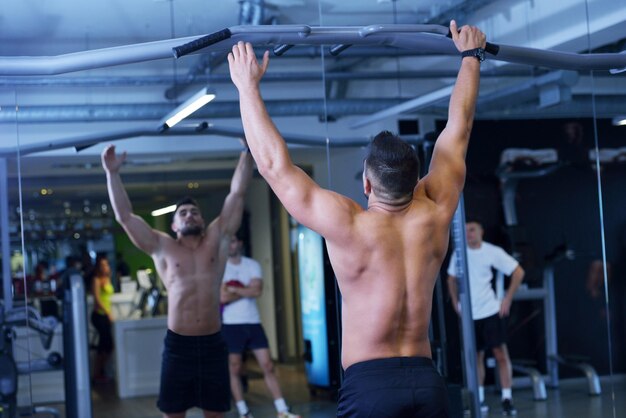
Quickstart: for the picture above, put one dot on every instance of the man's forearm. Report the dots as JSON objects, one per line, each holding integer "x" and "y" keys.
{"x": 243, "y": 174}
{"x": 247, "y": 292}
{"x": 463, "y": 98}
{"x": 516, "y": 280}
{"x": 118, "y": 197}
{"x": 266, "y": 144}
{"x": 229, "y": 297}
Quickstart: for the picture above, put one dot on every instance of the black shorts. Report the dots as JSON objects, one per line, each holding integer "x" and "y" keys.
{"x": 490, "y": 332}
{"x": 241, "y": 337}
{"x": 103, "y": 325}
{"x": 397, "y": 387}
{"x": 194, "y": 373}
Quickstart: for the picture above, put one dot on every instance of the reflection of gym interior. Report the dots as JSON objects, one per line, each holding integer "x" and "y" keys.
{"x": 546, "y": 169}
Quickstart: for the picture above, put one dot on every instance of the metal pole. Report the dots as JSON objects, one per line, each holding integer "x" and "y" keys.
{"x": 7, "y": 282}
{"x": 467, "y": 323}
{"x": 75, "y": 343}
{"x": 552, "y": 350}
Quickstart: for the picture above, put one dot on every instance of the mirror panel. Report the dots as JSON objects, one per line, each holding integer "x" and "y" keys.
{"x": 529, "y": 120}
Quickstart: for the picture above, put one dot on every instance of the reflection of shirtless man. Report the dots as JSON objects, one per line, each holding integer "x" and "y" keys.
{"x": 195, "y": 359}
{"x": 386, "y": 258}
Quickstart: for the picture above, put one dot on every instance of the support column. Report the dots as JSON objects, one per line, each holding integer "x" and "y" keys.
{"x": 467, "y": 322}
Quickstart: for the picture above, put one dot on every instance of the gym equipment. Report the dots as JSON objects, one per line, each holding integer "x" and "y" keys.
{"x": 149, "y": 297}
{"x": 10, "y": 369}
{"x": 74, "y": 362}
{"x": 76, "y": 347}
{"x": 538, "y": 163}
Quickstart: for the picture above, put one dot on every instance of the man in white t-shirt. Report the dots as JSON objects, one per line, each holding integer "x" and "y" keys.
{"x": 487, "y": 311}
{"x": 241, "y": 326}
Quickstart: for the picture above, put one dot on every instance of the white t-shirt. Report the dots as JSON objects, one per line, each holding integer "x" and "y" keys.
{"x": 244, "y": 310}
{"x": 480, "y": 261}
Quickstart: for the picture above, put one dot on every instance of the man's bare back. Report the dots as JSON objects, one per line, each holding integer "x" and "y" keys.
{"x": 386, "y": 258}
{"x": 386, "y": 274}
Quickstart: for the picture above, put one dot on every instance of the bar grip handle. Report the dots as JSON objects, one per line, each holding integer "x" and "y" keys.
{"x": 201, "y": 42}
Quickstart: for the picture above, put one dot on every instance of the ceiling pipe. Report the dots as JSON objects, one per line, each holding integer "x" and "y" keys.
{"x": 508, "y": 97}
{"x": 148, "y": 130}
{"x": 412, "y": 105}
{"x": 579, "y": 106}
{"x": 602, "y": 107}
{"x": 216, "y": 110}
{"x": 607, "y": 106}
{"x": 267, "y": 78}
{"x": 525, "y": 91}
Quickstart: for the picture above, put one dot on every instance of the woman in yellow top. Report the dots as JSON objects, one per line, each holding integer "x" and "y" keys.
{"x": 101, "y": 318}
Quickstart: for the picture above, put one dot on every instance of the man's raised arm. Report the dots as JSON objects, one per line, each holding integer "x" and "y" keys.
{"x": 232, "y": 211}
{"x": 446, "y": 176}
{"x": 302, "y": 197}
{"x": 139, "y": 232}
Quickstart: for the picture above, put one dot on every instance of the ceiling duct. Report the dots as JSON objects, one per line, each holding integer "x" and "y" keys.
{"x": 217, "y": 110}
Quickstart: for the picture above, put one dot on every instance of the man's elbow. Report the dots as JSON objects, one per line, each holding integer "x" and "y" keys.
{"x": 270, "y": 171}
{"x": 266, "y": 168}
{"x": 122, "y": 218}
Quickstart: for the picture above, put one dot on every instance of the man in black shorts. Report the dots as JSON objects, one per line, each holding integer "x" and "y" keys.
{"x": 386, "y": 257}
{"x": 194, "y": 369}
{"x": 487, "y": 311}
{"x": 242, "y": 330}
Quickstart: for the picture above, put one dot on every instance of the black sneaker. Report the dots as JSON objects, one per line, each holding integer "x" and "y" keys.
{"x": 507, "y": 408}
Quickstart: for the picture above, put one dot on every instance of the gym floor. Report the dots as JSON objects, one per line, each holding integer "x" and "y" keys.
{"x": 570, "y": 401}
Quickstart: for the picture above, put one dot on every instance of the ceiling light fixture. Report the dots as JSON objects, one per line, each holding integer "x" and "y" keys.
{"x": 163, "y": 211}
{"x": 186, "y": 108}
{"x": 619, "y": 120}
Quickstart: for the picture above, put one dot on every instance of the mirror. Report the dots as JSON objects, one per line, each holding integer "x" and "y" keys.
{"x": 65, "y": 204}
{"x": 558, "y": 225}
{"x": 604, "y": 283}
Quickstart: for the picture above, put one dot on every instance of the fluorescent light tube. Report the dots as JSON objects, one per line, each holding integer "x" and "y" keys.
{"x": 189, "y": 106}
{"x": 163, "y": 211}
{"x": 619, "y": 120}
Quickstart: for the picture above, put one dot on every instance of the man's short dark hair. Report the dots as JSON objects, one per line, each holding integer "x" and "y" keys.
{"x": 392, "y": 165}
{"x": 187, "y": 200}
{"x": 473, "y": 219}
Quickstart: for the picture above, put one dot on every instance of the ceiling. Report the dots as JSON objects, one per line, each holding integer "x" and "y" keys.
{"x": 303, "y": 88}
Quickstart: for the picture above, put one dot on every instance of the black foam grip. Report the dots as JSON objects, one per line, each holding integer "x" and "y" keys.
{"x": 200, "y": 43}
{"x": 493, "y": 49}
